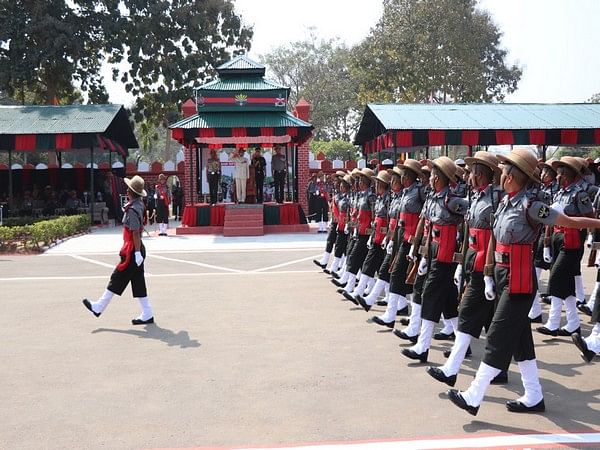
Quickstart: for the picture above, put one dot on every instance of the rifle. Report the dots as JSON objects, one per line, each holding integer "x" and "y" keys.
{"x": 465, "y": 248}
{"x": 490, "y": 260}
{"x": 411, "y": 271}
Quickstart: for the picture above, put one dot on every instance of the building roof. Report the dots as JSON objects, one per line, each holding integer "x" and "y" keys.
{"x": 111, "y": 121}
{"x": 241, "y": 84}
{"x": 241, "y": 65}
{"x": 241, "y": 120}
{"x": 482, "y": 117}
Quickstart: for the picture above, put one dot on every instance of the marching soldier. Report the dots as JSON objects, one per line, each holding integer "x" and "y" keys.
{"x": 342, "y": 210}
{"x": 364, "y": 205}
{"x": 332, "y": 236}
{"x": 515, "y": 231}
{"x": 162, "y": 196}
{"x": 476, "y": 309}
{"x": 132, "y": 254}
{"x": 568, "y": 244}
{"x": 377, "y": 230}
{"x": 444, "y": 212}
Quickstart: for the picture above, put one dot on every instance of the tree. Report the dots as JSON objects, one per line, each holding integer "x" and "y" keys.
{"x": 49, "y": 47}
{"x": 336, "y": 149}
{"x": 318, "y": 71}
{"x": 433, "y": 50}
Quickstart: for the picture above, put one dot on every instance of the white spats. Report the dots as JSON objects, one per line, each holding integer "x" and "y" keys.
{"x": 457, "y": 355}
{"x": 425, "y": 335}
{"x": 379, "y": 286}
{"x": 414, "y": 324}
{"x": 146, "y": 309}
{"x": 533, "y": 389}
{"x": 100, "y": 305}
{"x": 392, "y": 307}
{"x": 325, "y": 259}
{"x": 553, "y": 321}
{"x": 573, "y": 321}
{"x": 579, "y": 290}
{"x": 362, "y": 285}
{"x": 485, "y": 374}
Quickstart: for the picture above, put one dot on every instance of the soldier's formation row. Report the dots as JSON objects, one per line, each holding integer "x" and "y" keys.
{"x": 468, "y": 244}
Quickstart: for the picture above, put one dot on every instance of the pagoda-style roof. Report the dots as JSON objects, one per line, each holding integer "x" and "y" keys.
{"x": 241, "y": 65}
{"x": 242, "y": 84}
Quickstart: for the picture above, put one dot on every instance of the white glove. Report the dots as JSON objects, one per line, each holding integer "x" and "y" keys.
{"x": 558, "y": 207}
{"x": 317, "y": 192}
{"x": 329, "y": 224}
{"x": 422, "y": 270}
{"x": 370, "y": 242}
{"x": 389, "y": 247}
{"x": 589, "y": 241}
{"x": 597, "y": 262}
{"x": 155, "y": 196}
{"x": 139, "y": 259}
{"x": 411, "y": 253}
{"x": 346, "y": 229}
{"x": 384, "y": 243}
{"x": 458, "y": 276}
{"x": 490, "y": 289}
{"x": 547, "y": 255}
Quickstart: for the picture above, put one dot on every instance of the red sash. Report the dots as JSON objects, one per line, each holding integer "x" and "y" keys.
{"x": 393, "y": 224}
{"x": 341, "y": 221}
{"x": 520, "y": 266}
{"x": 380, "y": 222}
{"x": 126, "y": 250}
{"x": 161, "y": 193}
{"x": 445, "y": 237}
{"x": 480, "y": 238}
{"x": 410, "y": 220}
{"x": 334, "y": 211}
{"x": 364, "y": 221}
{"x": 572, "y": 237}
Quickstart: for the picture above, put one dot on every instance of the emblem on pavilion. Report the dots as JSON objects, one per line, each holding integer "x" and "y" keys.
{"x": 200, "y": 100}
{"x": 280, "y": 101}
{"x": 241, "y": 99}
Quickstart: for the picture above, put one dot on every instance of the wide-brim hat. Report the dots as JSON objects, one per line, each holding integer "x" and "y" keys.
{"x": 383, "y": 176}
{"x": 485, "y": 158}
{"x": 355, "y": 172}
{"x": 547, "y": 164}
{"x": 339, "y": 174}
{"x": 413, "y": 165}
{"x": 347, "y": 179}
{"x": 585, "y": 169}
{"x": 366, "y": 172}
{"x": 446, "y": 165}
{"x": 524, "y": 160}
{"x": 162, "y": 176}
{"x": 136, "y": 184}
{"x": 570, "y": 162}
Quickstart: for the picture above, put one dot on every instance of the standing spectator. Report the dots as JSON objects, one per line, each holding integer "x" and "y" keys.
{"x": 177, "y": 195}
{"x": 321, "y": 203}
{"x": 279, "y": 167}
{"x": 241, "y": 175}
{"x": 162, "y": 205}
{"x": 213, "y": 172}
{"x": 132, "y": 254}
{"x": 259, "y": 164}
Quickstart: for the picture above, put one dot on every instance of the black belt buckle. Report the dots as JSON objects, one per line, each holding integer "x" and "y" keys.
{"x": 501, "y": 258}
{"x": 401, "y": 223}
{"x": 436, "y": 233}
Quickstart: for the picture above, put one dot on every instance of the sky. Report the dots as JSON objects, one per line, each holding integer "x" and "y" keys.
{"x": 556, "y": 42}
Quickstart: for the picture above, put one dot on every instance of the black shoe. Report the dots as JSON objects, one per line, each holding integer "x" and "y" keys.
{"x": 586, "y": 353}
{"x": 443, "y": 336}
{"x": 584, "y": 309}
{"x": 468, "y": 354}
{"x": 537, "y": 319}
{"x": 421, "y": 357}
{"x": 580, "y": 302}
{"x": 547, "y": 331}
{"x": 405, "y": 321}
{"x": 327, "y": 271}
{"x": 402, "y": 335}
{"x": 381, "y": 303}
{"x": 458, "y": 400}
{"x": 439, "y": 375}
{"x": 501, "y": 378}
{"x": 546, "y": 299}
{"x": 142, "y": 322}
{"x": 362, "y": 303}
{"x": 340, "y": 291}
{"x": 564, "y": 332}
{"x": 335, "y": 275}
{"x": 88, "y": 305}
{"x": 322, "y": 266}
{"x": 349, "y": 297}
{"x": 518, "y": 407}
{"x": 403, "y": 311}
{"x": 378, "y": 321}
{"x": 337, "y": 283}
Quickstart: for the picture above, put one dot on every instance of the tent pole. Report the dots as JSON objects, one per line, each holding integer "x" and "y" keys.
{"x": 92, "y": 193}
{"x": 199, "y": 168}
{"x": 10, "y": 183}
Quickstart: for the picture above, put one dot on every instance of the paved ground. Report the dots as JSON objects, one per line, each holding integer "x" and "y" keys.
{"x": 252, "y": 346}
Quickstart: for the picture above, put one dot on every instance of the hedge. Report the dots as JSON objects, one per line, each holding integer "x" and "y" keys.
{"x": 40, "y": 234}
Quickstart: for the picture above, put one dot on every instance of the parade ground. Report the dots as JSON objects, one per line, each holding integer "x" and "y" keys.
{"x": 252, "y": 347}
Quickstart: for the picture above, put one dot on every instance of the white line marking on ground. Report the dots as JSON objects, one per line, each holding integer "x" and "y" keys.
{"x": 177, "y": 252}
{"x": 194, "y": 263}
{"x": 289, "y": 263}
{"x": 160, "y": 275}
{"x": 515, "y": 441}
{"x": 93, "y": 261}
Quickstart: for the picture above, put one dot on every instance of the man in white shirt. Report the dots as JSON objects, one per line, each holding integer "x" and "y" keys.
{"x": 241, "y": 174}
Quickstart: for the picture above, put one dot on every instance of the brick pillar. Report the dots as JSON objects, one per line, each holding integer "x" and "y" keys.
{"x": 302, "y": 111}
{"x": 190, "y": 178}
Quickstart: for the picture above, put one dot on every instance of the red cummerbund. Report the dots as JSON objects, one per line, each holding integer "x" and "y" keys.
{"x": 445, "y": 237}
{"x": 572, "y": 237}
{"x": 520, "y": 264}
{"x": 478, "y": 241}
{"x": 410, "y": 222}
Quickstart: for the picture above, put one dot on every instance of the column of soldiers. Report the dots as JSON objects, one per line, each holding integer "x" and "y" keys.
{"x": 466, "y": 242}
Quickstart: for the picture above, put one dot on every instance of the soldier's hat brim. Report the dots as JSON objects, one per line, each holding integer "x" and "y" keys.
{"x": 412, "y": 165}
{"x": 485, "y": 158}
{"x": 524, "y": 160}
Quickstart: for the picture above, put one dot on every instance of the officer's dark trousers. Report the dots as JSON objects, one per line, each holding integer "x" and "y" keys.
{"x": 132, "y": 273}
{"x": 162, "y": 212}
{"x": 358, "y": 254}
{"x": 213, "y": 187}
{"x": 398, "y": 273}
{"x": 383, "y": 273}
{"x": 341, "y": 243}
{"x": 373, "y": 260}
{"x": 260, "y": 182}
{"x": 439, "y": 292}
{"x": 561, "y": 283}
{"x": 509, "y": 334}
{"x": 331, "y": 238}
{"x": 279, "y": 177}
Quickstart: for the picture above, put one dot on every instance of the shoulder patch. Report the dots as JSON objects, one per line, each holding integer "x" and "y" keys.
{"x": 585, "y": 200}
{"x": 543, "y": 212}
